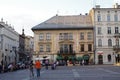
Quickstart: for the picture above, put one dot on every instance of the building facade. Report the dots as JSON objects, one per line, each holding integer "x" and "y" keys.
{"x": 22, "y": 55}
{"x": 68, "y": 36}
{"x": 9, "y": 43}
{"x": 106, "y": 23}
{"x": 29, "y": 45}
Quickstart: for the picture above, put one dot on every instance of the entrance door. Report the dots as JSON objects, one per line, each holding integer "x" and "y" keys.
{"x": 100, "y": 59}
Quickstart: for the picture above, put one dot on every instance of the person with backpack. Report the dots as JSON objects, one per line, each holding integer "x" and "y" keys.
{"x": 38, "y": 67}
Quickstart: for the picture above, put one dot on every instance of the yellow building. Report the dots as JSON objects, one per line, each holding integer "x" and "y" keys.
{"x": 67, "y": 36}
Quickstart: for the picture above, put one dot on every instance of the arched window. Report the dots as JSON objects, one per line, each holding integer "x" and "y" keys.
{"x": 99, "y": 42}
{"x": 109, "y": 58}
{"x": 109, "y": 42}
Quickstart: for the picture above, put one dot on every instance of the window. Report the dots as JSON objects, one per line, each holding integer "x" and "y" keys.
{"x": 41, "y": 48}
{"x": 89, "y": 35}
{"x": 115, "y": 17}
{"x": 89, "y": 47}
{"x": 41, "y": 37}
{"x": 70, "y": 36}
{"x": 109, "y": 30}
{"x": 108, "y": 17}
{"x": 66, "y": 36}
{"x": 61, "y": 48}
{"x": 48, "y": 48}
{"x": 48, "y": 36}
{"x": 109, "y": 58}
{"x": 82, "y": 47}
{"x": 65, "y": 48}
{"x": 60, "y": 36}
{"x": 109, "y": 42}
{"x": 70, "y": 48}
{"x": 81, "y": 36}
{"x": 99, "y": 30}
{"x": 116, "y": 30}
{"x": 98, "y": 17}
{"x": 100, "y": 43}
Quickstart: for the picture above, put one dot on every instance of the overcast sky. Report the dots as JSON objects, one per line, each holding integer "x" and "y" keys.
{"x": 28, "y": 13}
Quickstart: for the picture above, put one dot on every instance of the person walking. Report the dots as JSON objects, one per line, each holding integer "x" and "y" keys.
{"x": 38, "y": 67}
{"x": 46, "y": 64}
{"x": 31, "y": 69}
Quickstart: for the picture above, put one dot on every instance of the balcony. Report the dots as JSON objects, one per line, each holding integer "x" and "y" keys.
{"x": 117, "y": 35}
{"x": 44, "y": 41}
{"x": 66, "y": 52}
{"x": 116, "y": 48}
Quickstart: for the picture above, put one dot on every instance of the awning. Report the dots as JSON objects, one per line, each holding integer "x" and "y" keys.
{"x": 79, "y": 58}
{"x": 85, "y": 57}
{"x": 72, "y": 57}
{"x": 59, "y": 58}
{"x": 100, "y": 52}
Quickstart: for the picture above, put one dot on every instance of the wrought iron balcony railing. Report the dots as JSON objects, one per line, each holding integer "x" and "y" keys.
{"x": 117, "y": 35}
{"x": 116, "y": 48}
{"x": 66, "y": 52}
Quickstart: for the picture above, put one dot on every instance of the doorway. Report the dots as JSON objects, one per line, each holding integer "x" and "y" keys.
{"x": 100, "y": 59}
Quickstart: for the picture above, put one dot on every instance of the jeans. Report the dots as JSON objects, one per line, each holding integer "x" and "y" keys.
{"x": 31, "y": 73}
{"x": 38, "y": 72}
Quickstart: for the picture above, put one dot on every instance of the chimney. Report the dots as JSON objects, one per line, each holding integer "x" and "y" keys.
{"x": 1, "y": 19}
{"x": 97, "y": 6}
{"x": 86, "y": 13}
{"x": 56, "y": 14}
{"x": 116, "y": 5}
{"x": 6, "y": 23}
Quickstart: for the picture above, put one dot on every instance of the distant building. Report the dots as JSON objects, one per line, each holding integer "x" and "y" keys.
{"x": 9, "y": 43}
{"x": 66, "y": 36}
{"x": 29, "y": 45}
{"x": 22, "y": 55}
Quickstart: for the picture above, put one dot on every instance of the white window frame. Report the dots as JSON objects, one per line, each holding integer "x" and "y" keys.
{"x": 109, "y": 30}
{"x": 41, "y": 48}
{"x": 89, "y": 35}
{"x": 48, "y": 49}
{"x": 99, "y": 30}
{"x": 82, "y": 36}
{"x": 41, "y": 36}
{"x": 48, "y": 36}
{"x": 109, "y": 42}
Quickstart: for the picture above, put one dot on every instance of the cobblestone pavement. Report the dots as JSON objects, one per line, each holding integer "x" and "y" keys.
{"x": 93, "y": 72}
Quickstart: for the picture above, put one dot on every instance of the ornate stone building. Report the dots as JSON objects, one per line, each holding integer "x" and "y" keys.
{"x": 9, "y": 43}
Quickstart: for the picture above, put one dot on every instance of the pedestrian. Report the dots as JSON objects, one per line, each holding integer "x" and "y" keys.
{"x": 83, "y": 62}
{"x": 52, "y": 66}
{"x": 38, "y": 67}
{"x": 46, "y": 64}
{"x": 31, "y": 69}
